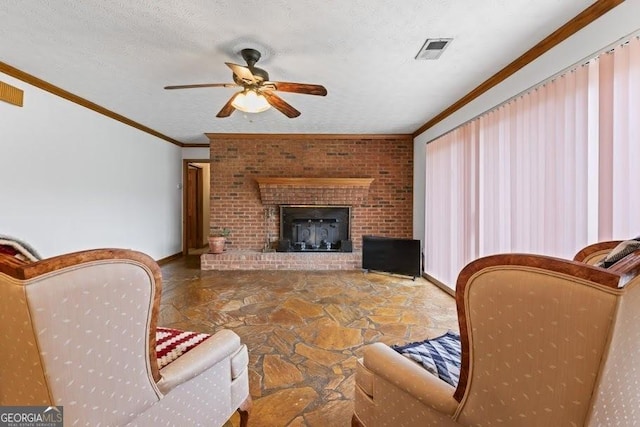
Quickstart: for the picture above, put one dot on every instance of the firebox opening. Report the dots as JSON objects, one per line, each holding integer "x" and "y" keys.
{"x": 314, "y": 229}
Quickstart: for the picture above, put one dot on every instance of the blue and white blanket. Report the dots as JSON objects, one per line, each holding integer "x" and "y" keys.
{"x": 441, "y": 356}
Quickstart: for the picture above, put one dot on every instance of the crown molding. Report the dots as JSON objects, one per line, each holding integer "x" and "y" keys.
{"x": 46, "y": 86}
{"x": 578, "y": 22}
{"x": 306, "y": 136}
{"x": 193, "y": 145}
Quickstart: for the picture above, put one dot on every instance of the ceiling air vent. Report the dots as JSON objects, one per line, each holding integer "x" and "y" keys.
{"x": 433, "y": 48}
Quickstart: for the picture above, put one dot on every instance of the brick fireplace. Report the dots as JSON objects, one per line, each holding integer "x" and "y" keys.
{"x": 252, "y": 176}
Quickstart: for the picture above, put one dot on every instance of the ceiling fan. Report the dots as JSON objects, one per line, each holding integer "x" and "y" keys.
{"x": 257, "y": 92}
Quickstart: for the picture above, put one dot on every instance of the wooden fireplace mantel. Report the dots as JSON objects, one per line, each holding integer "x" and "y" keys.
{"x": 317, "y": 182}
{"x": 314, "y": 191}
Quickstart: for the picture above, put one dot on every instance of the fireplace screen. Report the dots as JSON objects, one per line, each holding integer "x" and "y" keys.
{"x": 314, "y": 228}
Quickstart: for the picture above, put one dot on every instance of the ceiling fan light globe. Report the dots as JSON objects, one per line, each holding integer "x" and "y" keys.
{"x": 250, "y": 102}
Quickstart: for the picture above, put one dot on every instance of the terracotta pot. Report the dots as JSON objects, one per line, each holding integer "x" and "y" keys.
{"x": 216, "y": 244}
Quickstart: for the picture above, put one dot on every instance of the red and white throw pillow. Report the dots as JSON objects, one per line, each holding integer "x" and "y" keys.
{"x": 173, "y": 343}
{"x": 18, "y": 249}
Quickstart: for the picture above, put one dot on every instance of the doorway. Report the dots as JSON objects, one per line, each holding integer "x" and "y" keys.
{"x": 196, "y": 177}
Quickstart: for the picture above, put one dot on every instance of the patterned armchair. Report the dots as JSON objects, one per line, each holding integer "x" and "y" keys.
{"x": 79, "y": 330}
{"x": 545, "y": 342}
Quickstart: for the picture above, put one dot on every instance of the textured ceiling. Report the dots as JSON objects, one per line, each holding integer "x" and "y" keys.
{"x": 120, "y": 55}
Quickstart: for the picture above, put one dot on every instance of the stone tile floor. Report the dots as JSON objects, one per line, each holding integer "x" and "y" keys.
{"x": 304, "y": 330}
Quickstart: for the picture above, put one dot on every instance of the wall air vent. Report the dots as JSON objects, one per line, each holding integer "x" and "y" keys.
{"x": 433, "y": 48}
{"x": 11, "y": 94}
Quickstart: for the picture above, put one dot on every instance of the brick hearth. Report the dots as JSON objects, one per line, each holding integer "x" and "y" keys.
{"x": 252, "y": 260}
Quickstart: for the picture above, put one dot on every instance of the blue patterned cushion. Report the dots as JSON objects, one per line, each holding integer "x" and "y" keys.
{"x": 441, "y": 356}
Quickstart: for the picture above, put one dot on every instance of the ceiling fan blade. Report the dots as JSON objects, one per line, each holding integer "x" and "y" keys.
{"x": 228, "y": 108}
{"x": 242, "y": 72}
{"x": 280, "y": 104}
{"x": 202, "y": 85}
{"x": 305, "y": 88}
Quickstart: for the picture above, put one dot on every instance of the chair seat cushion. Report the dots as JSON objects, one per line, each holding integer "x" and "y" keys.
{"x": 173, "y": 343}
{"x": 441, "y": 356}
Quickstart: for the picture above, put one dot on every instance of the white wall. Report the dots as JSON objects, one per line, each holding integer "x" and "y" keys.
{"x": 72, "y": 179}
{"x": 616, "y": 24}
{"x": 196, "y": 153}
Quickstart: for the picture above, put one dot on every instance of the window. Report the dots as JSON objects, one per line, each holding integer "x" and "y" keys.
{"x": 549, "y": 171}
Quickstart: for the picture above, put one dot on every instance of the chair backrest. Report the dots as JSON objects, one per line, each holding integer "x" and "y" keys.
{"x": 21, "y": 362}
{"x": 617, "y": 396}
{"x": 79, "y": 331}
{"x": 535, "y": 331}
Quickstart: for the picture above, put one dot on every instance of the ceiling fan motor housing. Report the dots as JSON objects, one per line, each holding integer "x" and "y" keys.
{"x": 251, "y": 56}
{"x": 259, "y": 75}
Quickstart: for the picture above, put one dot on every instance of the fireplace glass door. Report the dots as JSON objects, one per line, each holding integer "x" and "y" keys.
{"x": 314, "y": 228}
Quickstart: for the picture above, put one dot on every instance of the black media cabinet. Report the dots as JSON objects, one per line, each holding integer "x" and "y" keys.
{"x": 399, "y": 256}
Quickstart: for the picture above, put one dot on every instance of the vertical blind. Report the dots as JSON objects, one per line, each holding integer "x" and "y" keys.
{"x": 548, "y": 172}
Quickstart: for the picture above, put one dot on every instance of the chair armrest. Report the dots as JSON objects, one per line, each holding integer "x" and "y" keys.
{"x": 202, "y": 357}
{"x": 595, "y": 252}
{"x": 409, "y": 377}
